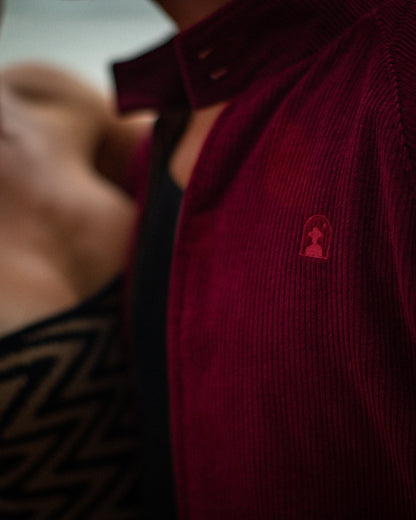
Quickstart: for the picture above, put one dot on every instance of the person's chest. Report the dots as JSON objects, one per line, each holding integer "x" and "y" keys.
{"x": 63, "y": 230}
{"x": 286, "y": 206}
{"x": 187, "y": 151}
{"x": 289, "y": 279}
{"x": 283, "y": 249}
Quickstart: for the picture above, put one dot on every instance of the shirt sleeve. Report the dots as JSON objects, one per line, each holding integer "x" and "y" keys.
{"x": 397, "y": 20}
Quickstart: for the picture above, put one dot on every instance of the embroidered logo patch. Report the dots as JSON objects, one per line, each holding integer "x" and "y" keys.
{"x": 316, "y": 238}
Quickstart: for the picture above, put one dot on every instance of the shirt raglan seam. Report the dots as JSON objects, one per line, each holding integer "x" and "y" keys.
{"x": 395, "y": 88}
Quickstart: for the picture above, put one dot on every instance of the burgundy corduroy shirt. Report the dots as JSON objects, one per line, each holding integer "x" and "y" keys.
{"x": 292, "y": 302}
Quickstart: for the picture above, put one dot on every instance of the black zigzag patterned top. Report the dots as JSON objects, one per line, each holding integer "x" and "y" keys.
{"x": 68, "y": 448}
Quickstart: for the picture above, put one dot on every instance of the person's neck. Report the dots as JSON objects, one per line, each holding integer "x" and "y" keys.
{"x": 186, "y": 13}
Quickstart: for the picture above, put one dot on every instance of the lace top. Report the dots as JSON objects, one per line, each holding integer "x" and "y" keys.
{"x": 68, "y": 447}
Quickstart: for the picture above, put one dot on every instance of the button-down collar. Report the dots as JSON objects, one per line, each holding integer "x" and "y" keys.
{"x": 213, "y": 60}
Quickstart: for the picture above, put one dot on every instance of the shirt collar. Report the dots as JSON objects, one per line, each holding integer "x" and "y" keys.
{"x": 216, "y": 58}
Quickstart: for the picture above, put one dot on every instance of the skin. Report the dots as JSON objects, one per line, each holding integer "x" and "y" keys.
{"x": 65, "y": 225}
{"x": 185, "y": 13}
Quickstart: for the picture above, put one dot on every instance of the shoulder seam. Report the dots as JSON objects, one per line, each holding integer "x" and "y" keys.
{"x": 404, "y": 144}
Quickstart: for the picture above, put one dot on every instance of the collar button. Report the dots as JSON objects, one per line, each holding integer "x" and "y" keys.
{"x": 219, "y": 73}
{"x": 202, "y": 55}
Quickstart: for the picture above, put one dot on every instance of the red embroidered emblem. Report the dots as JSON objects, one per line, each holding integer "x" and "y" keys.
{"x": 316, "y": 237}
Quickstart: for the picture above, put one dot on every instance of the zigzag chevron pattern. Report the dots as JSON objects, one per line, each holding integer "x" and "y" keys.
{"x": 68, "y": 449}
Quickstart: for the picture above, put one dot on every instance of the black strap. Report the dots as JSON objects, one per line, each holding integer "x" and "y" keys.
{"x": 150, "y": 308}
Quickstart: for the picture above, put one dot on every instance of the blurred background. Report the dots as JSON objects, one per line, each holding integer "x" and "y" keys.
{"x": 80, "y": 35}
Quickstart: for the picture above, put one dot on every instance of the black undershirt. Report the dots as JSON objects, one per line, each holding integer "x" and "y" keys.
{"x": 152, "y": 273}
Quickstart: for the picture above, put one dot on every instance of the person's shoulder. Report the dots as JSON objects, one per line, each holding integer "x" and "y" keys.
{"x": 397, "y": 22}
{"x": 87, "y": 108}
{"x": 40, "y": 83}
{"x": 398, "y": 18}
{"x": 59, "y": 91}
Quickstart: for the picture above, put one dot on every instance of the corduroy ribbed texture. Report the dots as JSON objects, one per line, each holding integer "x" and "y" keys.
{"x": 292, "y": 334}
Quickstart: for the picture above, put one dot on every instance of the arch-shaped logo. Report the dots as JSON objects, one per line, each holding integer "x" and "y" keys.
{"x": 316, "y": 238}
